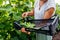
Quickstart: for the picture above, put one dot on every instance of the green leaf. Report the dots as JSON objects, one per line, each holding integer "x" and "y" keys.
{"x": 1, "y": 1}
{"x": 15, "y": 38}
{"x": 1, "y": 39}
{"x": 2, "y": 26}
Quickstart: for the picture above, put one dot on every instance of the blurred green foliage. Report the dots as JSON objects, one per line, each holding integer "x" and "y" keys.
{"x": 58, "y": 12}
{"x": 11, "y": 11}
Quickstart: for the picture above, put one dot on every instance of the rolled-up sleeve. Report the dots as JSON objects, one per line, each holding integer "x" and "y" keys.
{"x": 51, "y": 3}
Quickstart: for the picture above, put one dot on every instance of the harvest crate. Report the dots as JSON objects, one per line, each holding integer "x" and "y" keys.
{"x": 45, "y": 27}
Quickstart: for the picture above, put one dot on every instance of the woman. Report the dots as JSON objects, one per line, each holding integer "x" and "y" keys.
{"x": 43, "y": 9}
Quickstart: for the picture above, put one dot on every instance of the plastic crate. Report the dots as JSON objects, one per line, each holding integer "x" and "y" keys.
{"x": 48, "y": 26}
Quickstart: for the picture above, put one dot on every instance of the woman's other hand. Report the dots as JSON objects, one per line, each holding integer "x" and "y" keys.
{"x": 23, "y": 30}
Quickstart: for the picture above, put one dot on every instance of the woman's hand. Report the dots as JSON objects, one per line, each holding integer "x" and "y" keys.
{"x": 23, "y": 30}
{"x": 25, "y": 14}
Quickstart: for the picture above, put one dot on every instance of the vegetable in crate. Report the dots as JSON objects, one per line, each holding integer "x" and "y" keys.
{"x": 27, "y": 24}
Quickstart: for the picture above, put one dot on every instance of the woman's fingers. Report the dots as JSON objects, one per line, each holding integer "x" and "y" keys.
{"x": 23, "y": 30}
{"x": 24, "y": 14}
{"x": 29, "y": 33}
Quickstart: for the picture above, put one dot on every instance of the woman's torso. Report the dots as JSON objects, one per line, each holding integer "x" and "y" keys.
{"x": 39, "y": 13}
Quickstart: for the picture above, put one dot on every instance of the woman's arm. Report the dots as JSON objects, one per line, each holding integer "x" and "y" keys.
{"x": 48, "y": 13}
{"x": 31, "y": 13}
